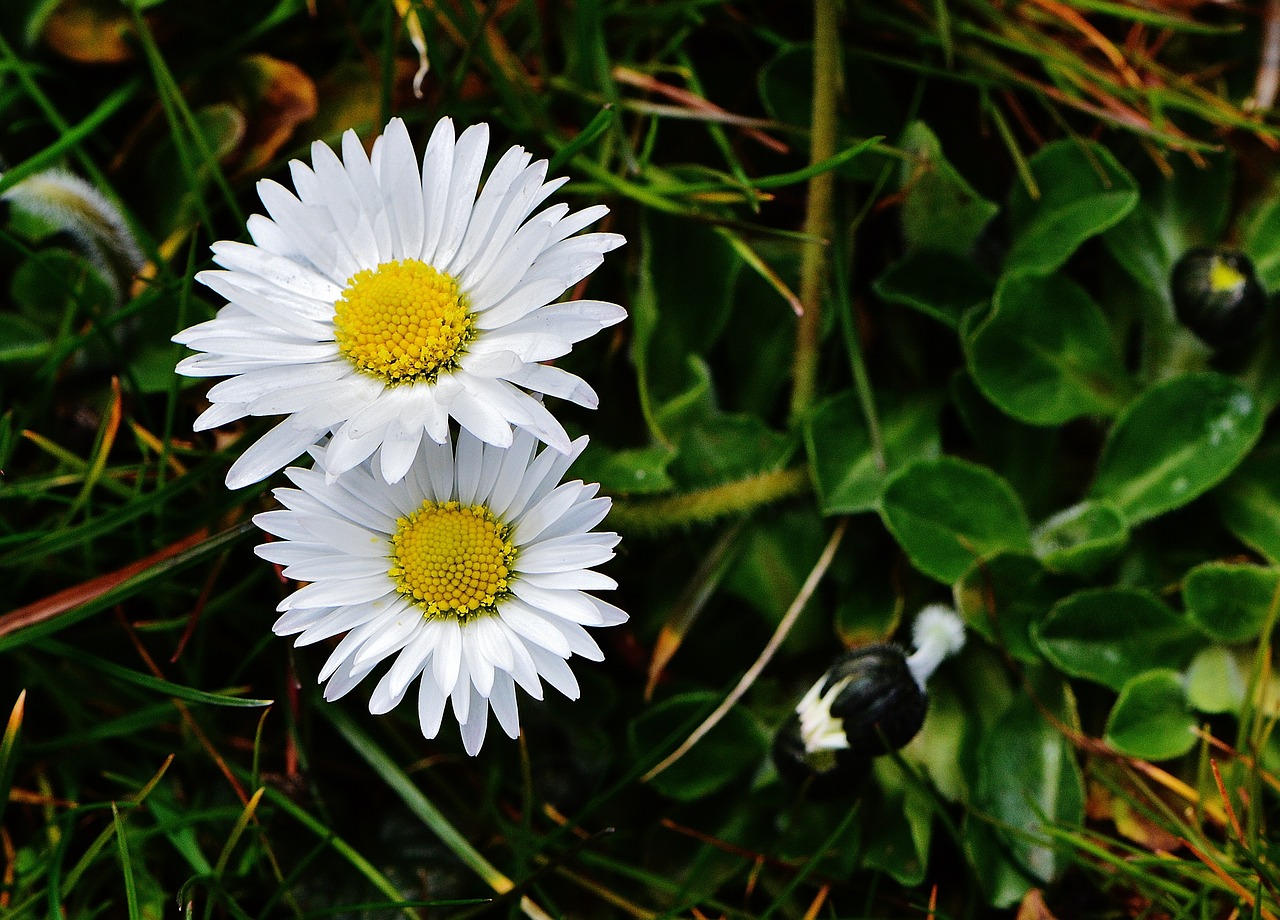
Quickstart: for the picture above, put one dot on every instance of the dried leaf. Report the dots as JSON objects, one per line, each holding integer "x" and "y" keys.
{"x": 1034, "y": 908}
{"x": 90, "y": 32}
{"x": 279, "y": 97}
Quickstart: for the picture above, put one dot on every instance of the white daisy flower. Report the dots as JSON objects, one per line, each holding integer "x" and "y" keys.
{"x": 382, "y": 300}
{"x": 470, "y": 571}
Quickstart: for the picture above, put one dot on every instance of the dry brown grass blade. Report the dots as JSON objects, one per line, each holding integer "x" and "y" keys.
{"x": 1094, "y": 37}
{"x": 77, "y": 595}
{"x": 770, "y": 649}
{"x": 1223, "y": 876}
{"x": 704, "y": 108}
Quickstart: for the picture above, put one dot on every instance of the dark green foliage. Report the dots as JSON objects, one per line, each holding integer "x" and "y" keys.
{"x": 1007, "y": 412}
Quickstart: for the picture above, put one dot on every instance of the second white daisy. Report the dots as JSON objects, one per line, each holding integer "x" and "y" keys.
{"x": 471, "y": 572}
{"x": 383, "y": 300}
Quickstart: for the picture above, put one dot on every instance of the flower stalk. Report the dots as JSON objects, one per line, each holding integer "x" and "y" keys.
{"x": 818, "y": 216}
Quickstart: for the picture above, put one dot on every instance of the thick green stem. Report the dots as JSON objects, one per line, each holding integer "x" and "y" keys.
{"x": 655, "y": 515}
{"x": 818, "y": 220}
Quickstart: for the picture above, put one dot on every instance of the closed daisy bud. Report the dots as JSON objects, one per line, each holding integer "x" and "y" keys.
{"x": 869, "y": 698}
{"x": 1217, "y": 295}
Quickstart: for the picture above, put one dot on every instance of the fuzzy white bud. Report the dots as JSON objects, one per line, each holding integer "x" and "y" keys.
{"x": 937, "y": 634}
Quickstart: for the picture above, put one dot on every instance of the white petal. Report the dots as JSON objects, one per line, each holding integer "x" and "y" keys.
{"x": 468, "y": 163}
{"x": 474, "y": 728}
{"x": 337, "y": 621}
{"x": 431, "y": 703}
{"x": 271, "y": 452}
{"x": 336, "y": 593}
{"x": 478, "y": 662}
{"x": 447, "y": 659}
{"x": 437, "y": 173}
{"x": 470, "y": 459}
{"x": 503, "y": 701}
{"x": 556, "y": 671}
{"x": 568, "y": 605}
{"x": 402, "y": 189}
{"x": 546, "y": 512}
{"x": 481, "y": 419}
{"x": 529, "y": 624}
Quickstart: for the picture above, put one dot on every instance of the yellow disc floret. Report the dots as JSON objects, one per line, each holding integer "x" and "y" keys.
{"x": 403, "y": 322}
{"x": 1223, "y": 277}
{"x": 452, "y": 560}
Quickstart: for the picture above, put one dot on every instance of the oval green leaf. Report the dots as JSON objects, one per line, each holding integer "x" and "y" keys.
{"x": 1083, "y": 191}
{"x": 1003, "y": 598}
{"x": 846, "y": 472}
{"x": 1249, "y": 502}
{"x": 1215, "y": 681}
{"x": 1029, "y": 781}
{"x": 936, "y": 282}
{"x": 1044, "y": 354}
{"x": 733, "y": 748}
{"x": 940, "y": 210}
{"x": 1081, "y": 539}
{"x": 1151, "y": 718}
{"x": 948, "y": 513}
{"x": 1230, "y": 602}
{"x": 1109, "y": 634}
{"x": 1177, "y": 440}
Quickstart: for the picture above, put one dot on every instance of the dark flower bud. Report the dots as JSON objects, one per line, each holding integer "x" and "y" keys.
{"x": 1217, "y": 295}
{"x": 871, "y": 700}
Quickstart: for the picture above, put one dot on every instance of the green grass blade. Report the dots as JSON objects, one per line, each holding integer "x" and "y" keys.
{"x": 146, "y": 681}
{"x": 400, "y": 783}
{"x": 9, "y": 750}
{"x": 126, "y": 865}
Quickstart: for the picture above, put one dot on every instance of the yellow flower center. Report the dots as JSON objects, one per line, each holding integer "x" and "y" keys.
{"x": 403, "y": 322}
{"x": 1222, "y": 277}
{"x": 452, "y": 560}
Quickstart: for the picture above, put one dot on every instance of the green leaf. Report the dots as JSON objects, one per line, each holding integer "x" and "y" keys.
{"x": 1081, "y": 539}
{"x": 1025, "y": 455}
{"x": 21, "y": 341}
{"x": 1083, "y": 191}
{"x": 146, "y": 681}
{"x": 733, "y": 748}
{"x": 1229, "y": 602}
{"x": 948, "y": 513}
{"x": 938, "y": 283}
{"x": 57, "y": 282}
{"x": 426, "y": 811}
{"x": 1174, "y": 442}
{"x": 1028, "y": 782}
{"x": 1249, "y": 502}
{"x": 1004, "y": 598}
{"x": 845, "y": 472}
{"x": 940, "y": 210}
{"x": 870, "y": 604}
{"x": 1176, "y": 213}
{"x": 720, "y": 448}
{"x": 1109, "y": 634}
{"x": 899, "y": 824}
{"x": 1044, "y": 353}
{"x": 1151, "y": 718}
{"x": 1262, "y": 243}
{"x": 1215, "y": 681}
{"x": 641, "y": 471}
{"x": 778, "y": 553}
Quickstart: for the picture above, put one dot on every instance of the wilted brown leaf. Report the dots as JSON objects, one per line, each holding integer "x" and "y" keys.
{"x": 1034, "y": 908}
{"x": 90, "y": 32}
{"x": 279, "y": 97}
{"x": 350, "y": 98}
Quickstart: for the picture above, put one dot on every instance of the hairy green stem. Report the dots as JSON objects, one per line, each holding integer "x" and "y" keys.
{"x": 818, "y": 219}
{"x": 655, "y": 515}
